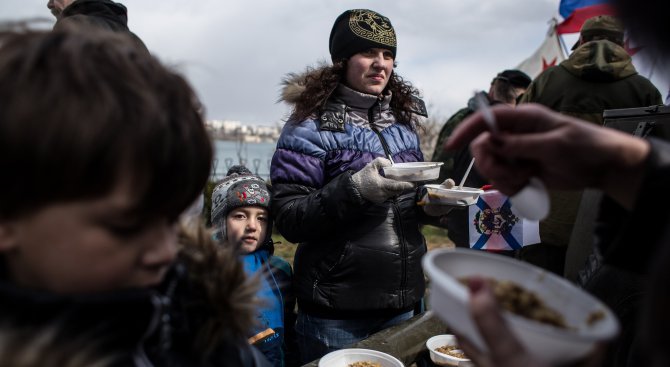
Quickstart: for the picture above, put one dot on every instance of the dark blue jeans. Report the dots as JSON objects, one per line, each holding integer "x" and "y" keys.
{"x": 318, "y": 336}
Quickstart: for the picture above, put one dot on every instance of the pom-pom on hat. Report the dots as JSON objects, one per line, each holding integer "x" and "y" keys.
{"x": 239, "y": 188}
{"x": 358, "y": 30}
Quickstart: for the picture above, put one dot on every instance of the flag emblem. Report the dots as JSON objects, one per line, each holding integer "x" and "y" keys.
{"x": 494, "y": 226}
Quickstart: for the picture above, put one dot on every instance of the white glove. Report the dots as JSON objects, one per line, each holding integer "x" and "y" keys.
{"x": 376, "y": 188}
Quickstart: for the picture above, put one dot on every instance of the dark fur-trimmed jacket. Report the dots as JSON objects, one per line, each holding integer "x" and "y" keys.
{"x": 199, "y": 316}
{"x": 353, "y": 256}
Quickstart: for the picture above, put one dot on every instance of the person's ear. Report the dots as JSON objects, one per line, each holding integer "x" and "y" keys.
{"x": 8, "y": 238}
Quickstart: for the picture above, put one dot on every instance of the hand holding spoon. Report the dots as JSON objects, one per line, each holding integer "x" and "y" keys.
{"x": 531, "y": 202}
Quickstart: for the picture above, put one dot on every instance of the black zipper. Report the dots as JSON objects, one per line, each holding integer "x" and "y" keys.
{"x": 403, "y": 253}
{"x": 396, "y": 210}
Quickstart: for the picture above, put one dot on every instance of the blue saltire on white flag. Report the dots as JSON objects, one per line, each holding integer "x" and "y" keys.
{"x": 493, "y": 225}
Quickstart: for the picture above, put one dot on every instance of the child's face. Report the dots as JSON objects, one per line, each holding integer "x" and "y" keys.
{"x": 246, "y": 228}
{"x": 88, "y": 246}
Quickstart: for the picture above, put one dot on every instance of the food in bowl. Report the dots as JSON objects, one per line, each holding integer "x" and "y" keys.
{"x": 451, "y": 350}
{"x": 444, "y": 351}
{"x": 520, "y": 301}
{"x": 449, "y": 299}
{"x": 364, "y": 364}
{"x": 358, "y": 357}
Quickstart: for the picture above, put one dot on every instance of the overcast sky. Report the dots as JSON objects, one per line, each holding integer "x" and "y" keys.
{"x": 235, "y": 52}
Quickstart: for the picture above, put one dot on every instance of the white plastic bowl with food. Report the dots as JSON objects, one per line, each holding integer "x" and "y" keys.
{"x": 443, "y": 195}
{"x": 436, "y": 345}
{"x": 413, "y": 171}
{"x": 356, "y": 357}
{"x": 587, "y": 320}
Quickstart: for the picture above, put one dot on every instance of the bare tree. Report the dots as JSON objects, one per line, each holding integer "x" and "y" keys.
{"x": 428, "y": 132}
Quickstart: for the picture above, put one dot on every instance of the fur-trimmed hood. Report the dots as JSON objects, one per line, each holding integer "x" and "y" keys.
{"x": 294, "y": 84}
{"x": 216, "y": 274}
{"x": 311, "y": 93}
{"x": 202, "y": 311}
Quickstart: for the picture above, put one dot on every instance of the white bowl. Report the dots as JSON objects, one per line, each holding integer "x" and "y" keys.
{"x": 413, "y": 171}
{"x": 345, "y": 357}
{"x": 438, "y": 194}
{"x": 443, "y": 359}
{"x": 449, "y": 299}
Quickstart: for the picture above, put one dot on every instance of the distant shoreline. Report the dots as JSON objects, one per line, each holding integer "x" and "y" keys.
{"x": 248, "y": 139}
{"x": 256, "y": 156}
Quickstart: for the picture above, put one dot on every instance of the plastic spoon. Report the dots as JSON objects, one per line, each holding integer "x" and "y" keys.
{"x": 531, "y": 202}
{"x": 467, "y": 172}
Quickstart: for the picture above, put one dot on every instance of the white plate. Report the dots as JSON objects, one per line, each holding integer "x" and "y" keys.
{"x": 413, "y": 171}
{"x": 345, "y": 357}
{"x": 438, "y": 194}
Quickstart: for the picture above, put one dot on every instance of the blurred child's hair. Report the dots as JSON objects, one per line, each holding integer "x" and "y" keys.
{"x": 82, "y": 110}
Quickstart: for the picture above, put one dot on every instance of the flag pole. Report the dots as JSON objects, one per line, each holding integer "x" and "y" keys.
{"x": 564, "y": 48}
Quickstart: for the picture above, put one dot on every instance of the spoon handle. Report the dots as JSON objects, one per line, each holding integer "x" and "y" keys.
{"x": 467, "y": 172}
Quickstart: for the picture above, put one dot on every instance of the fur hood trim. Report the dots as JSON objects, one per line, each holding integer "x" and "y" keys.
{"x": 230, "y": 296}
{"x": 293, "y": 84}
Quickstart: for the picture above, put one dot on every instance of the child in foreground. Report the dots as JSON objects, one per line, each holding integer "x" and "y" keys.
{"x": 103, "y": 148}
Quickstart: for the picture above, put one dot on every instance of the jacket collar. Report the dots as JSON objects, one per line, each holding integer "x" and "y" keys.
{"x": 360, "y": 101}
{"x": 345, "y": 100}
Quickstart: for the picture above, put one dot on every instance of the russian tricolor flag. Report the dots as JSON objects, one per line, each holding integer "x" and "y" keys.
{"x": 575, "y": 12}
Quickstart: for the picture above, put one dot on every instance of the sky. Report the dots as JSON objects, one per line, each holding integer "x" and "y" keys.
{"x": 236, "y": 52}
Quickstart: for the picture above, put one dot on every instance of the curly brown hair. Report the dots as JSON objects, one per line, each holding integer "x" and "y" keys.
{"x": 320, "y": 82}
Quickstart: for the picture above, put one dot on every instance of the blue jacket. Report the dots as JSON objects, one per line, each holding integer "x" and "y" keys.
{"x": 353, "y": 255}
{"x": 276, "y": 302}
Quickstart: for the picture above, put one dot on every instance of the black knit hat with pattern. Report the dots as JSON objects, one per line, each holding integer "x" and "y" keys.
{"x": 357, "y": 30}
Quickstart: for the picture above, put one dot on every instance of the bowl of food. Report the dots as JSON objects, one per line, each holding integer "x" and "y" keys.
{"x": 413, "y": 171}
{"x": 356, "y": 357}
{"x": 440, "y": 194}
{"x": 444, "y": 351}
{"x": 553, "y": 319}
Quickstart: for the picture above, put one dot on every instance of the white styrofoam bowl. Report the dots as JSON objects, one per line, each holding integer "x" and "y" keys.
{"x": 449, "y": 299}
{"x": 413, "y": 171}
{"x": 345, "y": 357}
{"x": 442, "y": 359}
{"x": 438, "y": 194}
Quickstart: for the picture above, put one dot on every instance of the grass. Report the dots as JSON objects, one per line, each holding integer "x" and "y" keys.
{"x": 435, "y": 238}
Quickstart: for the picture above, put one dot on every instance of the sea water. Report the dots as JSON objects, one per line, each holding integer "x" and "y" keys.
{"x": 255, "y": 156}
